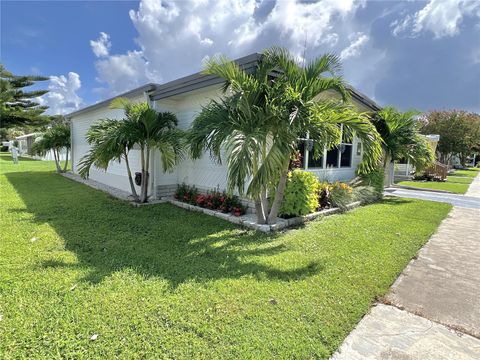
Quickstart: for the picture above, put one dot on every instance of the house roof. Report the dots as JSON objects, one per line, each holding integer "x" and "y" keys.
{"x": 198, "y": 81}
{"x": 248, "y": 63}
{"x": 139, "y": 90}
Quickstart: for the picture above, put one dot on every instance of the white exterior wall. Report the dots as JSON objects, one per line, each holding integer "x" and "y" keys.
{"x": 202, "y": 173}
{"x": 205, "y": 173}
{"x": 116, "y": 174}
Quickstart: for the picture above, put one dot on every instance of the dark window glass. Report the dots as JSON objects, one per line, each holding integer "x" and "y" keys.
{"x": 314, "y": 163}
{"x": 346, "y": 155}
{"x": 332, "y": 158}
{"x": 301, "y": 150}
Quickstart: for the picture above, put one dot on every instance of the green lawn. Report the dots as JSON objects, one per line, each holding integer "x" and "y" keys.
{"x": 158, "y": 280}
{"x": 457, "y": 183}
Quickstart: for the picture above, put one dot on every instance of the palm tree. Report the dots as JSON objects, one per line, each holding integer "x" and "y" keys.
{"x": 263, "y": 115}
{"x": 54, "y": 139}
{"x": 401, "y": 139}
{"x": 142, "y": 127}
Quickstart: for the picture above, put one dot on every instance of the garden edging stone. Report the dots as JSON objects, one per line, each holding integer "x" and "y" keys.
{"x": 248, "y": 220}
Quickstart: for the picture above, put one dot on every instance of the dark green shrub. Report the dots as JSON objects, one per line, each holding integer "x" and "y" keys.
{"x": 301, "y": 194}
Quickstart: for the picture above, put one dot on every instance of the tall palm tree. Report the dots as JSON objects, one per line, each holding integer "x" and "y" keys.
{"x": 55, "y": 139}
{"x": 263, "y": 115}
{"x": 142, "y": 127}
{"x": 401, "y": 139}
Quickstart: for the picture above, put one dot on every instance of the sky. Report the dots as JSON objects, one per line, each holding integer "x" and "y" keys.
{"x": 420, "y": 55}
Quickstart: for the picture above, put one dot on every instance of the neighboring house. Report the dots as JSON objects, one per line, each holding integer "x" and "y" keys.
{"x": 405, "y": 170}
{"x": 185, "y": 97}
{"x": 25, "y": 143}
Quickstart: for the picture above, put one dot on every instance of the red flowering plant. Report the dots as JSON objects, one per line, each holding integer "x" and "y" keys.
{"x": 214, "y": 200}
{"x": 186, "y": 193}
{"x": 200, "y": 200}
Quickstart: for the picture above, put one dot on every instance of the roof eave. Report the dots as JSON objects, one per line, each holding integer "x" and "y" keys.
{"x": 144, "y": 88}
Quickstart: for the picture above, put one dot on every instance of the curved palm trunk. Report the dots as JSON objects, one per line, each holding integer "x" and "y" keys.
{"x": 387, "y": 165}
{"x": 277, "y": 201}
{"x": 66, "y": 162}
{"x": 130, "y": 179}
{"x": 57, "y": 157}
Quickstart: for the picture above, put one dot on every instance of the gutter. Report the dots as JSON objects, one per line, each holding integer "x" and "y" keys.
{"x": 139, "y": 90}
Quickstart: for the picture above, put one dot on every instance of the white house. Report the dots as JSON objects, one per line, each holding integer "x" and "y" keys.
{"x": 25, "y": 143}
{"x": 185, "y": 97}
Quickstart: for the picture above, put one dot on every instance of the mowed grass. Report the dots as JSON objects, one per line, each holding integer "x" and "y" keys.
{"x": 158, "y": 281}
{"x": 457, "y": 183}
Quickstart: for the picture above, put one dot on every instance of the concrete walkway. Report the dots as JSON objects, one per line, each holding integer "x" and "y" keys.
{"x": 469, "y": 200}
{"x": 433, "y": 309}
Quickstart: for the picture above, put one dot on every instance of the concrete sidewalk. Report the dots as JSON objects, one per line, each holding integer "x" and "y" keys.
{"x": 433, "y": 309}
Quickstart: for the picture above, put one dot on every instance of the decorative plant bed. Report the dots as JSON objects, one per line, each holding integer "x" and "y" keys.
{"x": 249, "y": 220}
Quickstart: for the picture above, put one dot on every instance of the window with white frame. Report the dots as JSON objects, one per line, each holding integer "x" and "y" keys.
{"x": 337, "y": 157}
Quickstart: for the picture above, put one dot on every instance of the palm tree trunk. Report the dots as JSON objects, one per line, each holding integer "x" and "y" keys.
{"x": 130, "y": 179}
{"x": 387, "y": 170}
{"x": 259, "y": 204}
{"x": 66, "y": 161}
{"x": 56, "y": 157}
{"x": 260, "y": 210}
{"x": 145, "y": 176}
{"x": 277, "y": 201}
{"x": 142, "y": 163}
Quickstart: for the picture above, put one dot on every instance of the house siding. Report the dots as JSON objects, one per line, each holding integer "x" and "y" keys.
{"x": 203, "y": 173}
{"x": 116, "y": 174}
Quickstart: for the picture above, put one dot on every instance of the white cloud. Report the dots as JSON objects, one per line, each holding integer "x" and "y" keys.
{"x": 62, "y": 97}
{"x": 101, "y": 46}
{"x": 121, "y": 73}
{"x": 174, "y": 36}
{"x": 357, "y": 42}
{"x": 440, "y": 17}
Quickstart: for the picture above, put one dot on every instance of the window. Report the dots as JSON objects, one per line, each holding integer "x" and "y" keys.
{"x": 301, "y": 150}
{"x": 345, "y": 155}
{"x": 314, "y": 163}
{"x": 340, "y": 156}
{"x": 332, "y": 158}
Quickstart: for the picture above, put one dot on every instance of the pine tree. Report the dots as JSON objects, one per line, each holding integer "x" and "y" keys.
{"x": 18, "y": 106}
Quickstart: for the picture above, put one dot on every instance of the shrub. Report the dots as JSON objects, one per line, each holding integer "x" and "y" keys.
{"x": 186, "y": 193}
{"x": 301, "y": 194}
{"x": 214, "y": 200}
{"x": 374, "y": 179}
{"x": 365, "y": 194}
{"x": 341, "y": 195}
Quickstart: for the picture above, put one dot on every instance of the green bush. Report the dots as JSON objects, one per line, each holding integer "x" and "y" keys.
{"x": 301, "y": 194}
{"x": 341, "y": 195}
{"x": 374, "y": 179}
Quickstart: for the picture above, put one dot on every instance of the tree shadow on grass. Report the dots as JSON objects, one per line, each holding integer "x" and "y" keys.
{"x": 108, "y": 235}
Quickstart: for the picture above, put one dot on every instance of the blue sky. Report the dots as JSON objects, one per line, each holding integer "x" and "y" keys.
{"x": 416, "y": 54}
